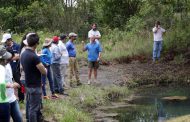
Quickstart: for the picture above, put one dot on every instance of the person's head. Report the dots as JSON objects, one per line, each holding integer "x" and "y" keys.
{"x": 157, "y": 23}
{"x": 55, "y": 39}
{"x": 32, "y": 40}
{"x": 94, "y": 26}
{"x": 7, "y": 39}
{"x": 5, "y": 56}
{"x": 47, "y": 43}
{"x": 24, "y": 42}
{"x": 72, "y": 36}
{"x": 63, "y": 37}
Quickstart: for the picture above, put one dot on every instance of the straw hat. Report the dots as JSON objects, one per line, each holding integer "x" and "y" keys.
{"x": 4, "y": 54}
{"x": 47, "y": 42}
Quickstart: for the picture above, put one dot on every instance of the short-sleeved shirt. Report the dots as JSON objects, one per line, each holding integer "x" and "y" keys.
{"x": 71, "y": 49}
{"x": 92, "y": 33}
{"x": 93, "y": 51}
{"x": 15, "y": 49}
{"x": 158, "y": 34}
{"x": 29, "y": 61}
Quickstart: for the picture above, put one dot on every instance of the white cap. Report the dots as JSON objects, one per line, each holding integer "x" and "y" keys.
{"x": 25, "y": 42}
{"x": 5, "y": 37}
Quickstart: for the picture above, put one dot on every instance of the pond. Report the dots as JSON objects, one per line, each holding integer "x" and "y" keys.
{"x": 155, "y": 105}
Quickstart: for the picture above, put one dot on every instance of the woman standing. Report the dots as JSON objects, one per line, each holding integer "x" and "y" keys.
{"x": 46, "y": 58}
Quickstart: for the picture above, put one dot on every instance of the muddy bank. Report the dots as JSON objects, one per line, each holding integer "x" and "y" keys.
{"x": 137, "y": 73}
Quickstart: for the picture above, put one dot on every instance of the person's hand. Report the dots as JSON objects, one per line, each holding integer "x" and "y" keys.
{"x": 16, "y": 85}
{"x": 98, "y": 59}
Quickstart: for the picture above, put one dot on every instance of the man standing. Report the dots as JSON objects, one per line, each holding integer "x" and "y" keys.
{"x": 94, "y": 33}
{"x": 33, "y": 69}
{"x": 56, "y": 69}
{"x": 14, "y": 49}
{"x": 94, "y": 53}
{"x": 157, "y": 47}
{"x": 73, "y": 64}
{"x": 65, "y": 57}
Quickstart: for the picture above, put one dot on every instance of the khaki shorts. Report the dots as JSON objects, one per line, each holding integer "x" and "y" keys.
{"x": 93, "y": 64}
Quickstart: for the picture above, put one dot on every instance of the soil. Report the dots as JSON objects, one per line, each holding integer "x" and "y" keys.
{"x": 138, "y": 73}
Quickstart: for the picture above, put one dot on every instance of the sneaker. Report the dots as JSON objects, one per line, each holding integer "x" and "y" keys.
{"x": 54, "y": 96}
{"x": 46, "y": 97}
{"x": 89, "y": 81}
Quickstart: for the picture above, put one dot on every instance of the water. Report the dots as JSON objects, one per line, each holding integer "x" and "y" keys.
{"x": 148, "y": 106}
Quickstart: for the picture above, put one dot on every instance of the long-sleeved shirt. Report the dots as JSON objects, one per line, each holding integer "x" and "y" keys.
{"x": 65, "y": 54}
{"x": 56, "y": 54}
{"x": 46, "y": 57}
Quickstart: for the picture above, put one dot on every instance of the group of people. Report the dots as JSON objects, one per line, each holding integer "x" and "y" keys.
{"x": 26, "y": 70}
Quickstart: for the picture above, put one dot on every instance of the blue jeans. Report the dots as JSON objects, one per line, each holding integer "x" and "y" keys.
{"x": 58, "y": 82}
{"x": 15, "y": 111}
{"x": 51, "y": 84}
{"x": 34, "y": 104}
{"x": 157, "y": 48}
{"x": 4, "y": 112}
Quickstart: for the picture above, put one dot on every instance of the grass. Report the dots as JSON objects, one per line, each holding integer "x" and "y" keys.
{"x": 63, "y": 111}
{"x": 81, "y": 101}
{"x": 92, "y": 96}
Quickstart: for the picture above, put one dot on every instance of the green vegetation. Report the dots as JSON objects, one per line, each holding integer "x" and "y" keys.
{"x": 125, "y": 25}
{"x": 81, "y": 100}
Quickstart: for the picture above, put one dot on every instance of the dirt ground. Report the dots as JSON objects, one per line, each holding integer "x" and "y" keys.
{"x": 140, "y": 73}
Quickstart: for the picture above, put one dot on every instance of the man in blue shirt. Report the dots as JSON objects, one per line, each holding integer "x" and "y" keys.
{"x": 94, "y": 53}
{"x": 73, "y": 64}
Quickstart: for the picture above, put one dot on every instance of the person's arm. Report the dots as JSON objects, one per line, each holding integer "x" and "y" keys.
{"x": 12, "y": 85}
{"x": 39, "y": 65}
{"x": 155, "y": 29}
{"x": 57, "y": 53}
{"x": 16, "y": 55}
{"x": 98, "y": 36}
{"x": 100, "y": 52}
{"x": 41, "y": 68}
{"x": 84, "y": 47}
{"x": 44, "y": 51}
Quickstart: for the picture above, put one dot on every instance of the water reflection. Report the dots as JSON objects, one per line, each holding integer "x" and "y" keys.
{"x": 153, "y": 109}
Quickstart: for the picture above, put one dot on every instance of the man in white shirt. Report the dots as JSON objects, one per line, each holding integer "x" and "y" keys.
{"x": 157, "y": 47}
{"x": 94, "y": 33}
{"x": 64, "y": 58}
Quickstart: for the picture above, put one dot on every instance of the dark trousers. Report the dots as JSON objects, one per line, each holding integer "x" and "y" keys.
{"x": 58, "y": 85}
{"x": 34, "y": 104}
{"x": 4, "y": 112}
{"x": 50, "y": 79}
{"x": 16, "y": 77}
{"x": 15, "y": 111}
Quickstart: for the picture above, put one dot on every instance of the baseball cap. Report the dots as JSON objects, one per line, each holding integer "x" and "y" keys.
{"x": 4, "y": 54}
{"x": 5, "y": 37}
{"x": 55, "y": 39}
{"x": 62, "y": 36}
{"x": 72, "y": 34}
